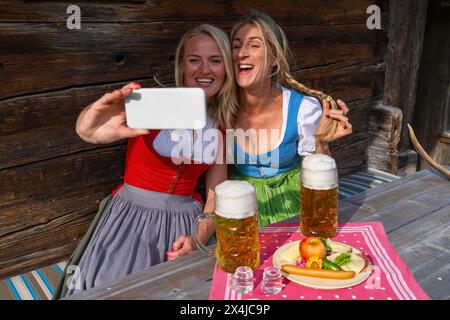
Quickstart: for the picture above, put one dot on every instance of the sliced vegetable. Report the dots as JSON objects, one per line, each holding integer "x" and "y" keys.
{"x": 292, "y": 254}
{"x": 343, "y": 259}
{"x": 338, "y": 246}
{"x": 356, "y": 264}
{"x": 330, "y": 265}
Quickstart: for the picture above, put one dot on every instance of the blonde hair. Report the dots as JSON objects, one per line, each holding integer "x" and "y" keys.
{"x": 276, "y": 40}
{"x": 223, "y": 105}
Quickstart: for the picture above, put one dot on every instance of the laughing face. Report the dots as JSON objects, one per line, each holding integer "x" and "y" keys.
{"x": 203, "y": 65}
{"x": 253, "y": 61}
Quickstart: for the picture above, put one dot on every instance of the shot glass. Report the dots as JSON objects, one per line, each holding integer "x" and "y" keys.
{"x": 242, "y": 280}
{"x": 272, "y": 282}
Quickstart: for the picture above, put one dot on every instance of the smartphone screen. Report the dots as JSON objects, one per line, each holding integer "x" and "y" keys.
{"x": 166, "y": 108}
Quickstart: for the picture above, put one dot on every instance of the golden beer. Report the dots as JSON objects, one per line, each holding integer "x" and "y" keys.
{"x": 319, "y": 196}
{"x": 237, "y": 228}
{"x": 319, "y": 212}
{"x": 237, "y": 243}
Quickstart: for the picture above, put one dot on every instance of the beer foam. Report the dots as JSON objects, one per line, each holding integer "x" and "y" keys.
{"x": 235, "y": 199}
{"x": 319, "y": 172}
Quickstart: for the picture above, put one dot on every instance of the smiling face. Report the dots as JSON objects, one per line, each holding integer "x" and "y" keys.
{"x": 253, "y": 60}
{"x": 203, "y": 65}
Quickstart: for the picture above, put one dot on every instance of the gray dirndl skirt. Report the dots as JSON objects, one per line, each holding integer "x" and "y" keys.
{"x": 135, "y": 230}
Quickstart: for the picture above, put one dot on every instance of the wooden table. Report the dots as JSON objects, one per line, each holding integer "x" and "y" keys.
{"x": 414, "y": 210}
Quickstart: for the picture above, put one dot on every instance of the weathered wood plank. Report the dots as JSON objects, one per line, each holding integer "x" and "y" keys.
{"x": 166, "y": 283}
{"x": 21, "y": 38}
{"x": 408, "y": 209}
{"x": 40, "y": 192}
{"x": 57, "y": 71}
{"x": 47, "y": 207}
{"x": 26, "y": 147}
{"x": 404, "y": 188}
{"x": 133, "y": 11}
{"x": 424, "y": 246}
{"x": 111, "y": 52}
{"x": 431, "y": 229}
{"x": 349, "y": 212}
{"x": 35, "y": 260}
{"x": 42, "y": 244}
{"x": 39, "y": 127}
{"x": 436, "y": 283}
{"x": 49, "y": 110}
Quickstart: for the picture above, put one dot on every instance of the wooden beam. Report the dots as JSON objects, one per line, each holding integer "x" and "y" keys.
{"x": 406, "y": 34}
{"x": 385, "y": 124}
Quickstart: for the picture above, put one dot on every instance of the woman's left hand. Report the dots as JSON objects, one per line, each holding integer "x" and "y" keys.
{"x": 344, "y": 127}
{"x": 183, "y": 245}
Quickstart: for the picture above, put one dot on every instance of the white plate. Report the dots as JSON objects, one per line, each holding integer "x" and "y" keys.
{"x": 318, "y": 283}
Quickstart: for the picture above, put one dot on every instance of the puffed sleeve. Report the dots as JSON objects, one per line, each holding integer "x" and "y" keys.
{"x": 307, "y": 120}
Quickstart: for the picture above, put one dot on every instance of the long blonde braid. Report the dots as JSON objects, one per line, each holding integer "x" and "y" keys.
{"x": 330, "y": 129}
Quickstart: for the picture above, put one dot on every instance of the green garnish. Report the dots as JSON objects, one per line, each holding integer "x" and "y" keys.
{"x": 329, "y": 265}
{"x": 342, "y": 259}
{"x": 324, "y": 240}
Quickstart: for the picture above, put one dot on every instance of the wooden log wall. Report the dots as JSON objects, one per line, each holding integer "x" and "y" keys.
{"x": 51, "y": 181}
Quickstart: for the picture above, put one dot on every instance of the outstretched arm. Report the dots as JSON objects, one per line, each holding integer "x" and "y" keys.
{"x": 104, "y": 121}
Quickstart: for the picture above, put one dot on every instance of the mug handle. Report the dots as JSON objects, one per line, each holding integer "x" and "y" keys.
{"x": 200, "y": 246}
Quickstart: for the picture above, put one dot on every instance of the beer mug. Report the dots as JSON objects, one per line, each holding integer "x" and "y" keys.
{"x": 319, "y": 196}
{"x": 237, "y": 229}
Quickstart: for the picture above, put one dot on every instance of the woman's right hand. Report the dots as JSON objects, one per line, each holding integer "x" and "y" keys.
{"x": 104, "y": 121}
{"x": 183, "y": 245}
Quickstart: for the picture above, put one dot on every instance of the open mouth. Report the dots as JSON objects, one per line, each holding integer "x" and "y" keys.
{"x": 245, "y": 68}
{"x": 204, "y": 82}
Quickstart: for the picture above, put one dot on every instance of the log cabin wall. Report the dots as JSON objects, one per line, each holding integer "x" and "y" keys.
{"x": 51, "y": 181}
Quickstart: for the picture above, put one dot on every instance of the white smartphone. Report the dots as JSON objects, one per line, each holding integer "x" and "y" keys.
{"x": 166, "y": 108}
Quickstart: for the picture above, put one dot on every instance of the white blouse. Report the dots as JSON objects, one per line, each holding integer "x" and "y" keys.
{"x": 307, "y": 120}
{"x": 179, "y": 144}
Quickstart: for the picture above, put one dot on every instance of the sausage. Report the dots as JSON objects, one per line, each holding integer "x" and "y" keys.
{"x": 318, "y": 273}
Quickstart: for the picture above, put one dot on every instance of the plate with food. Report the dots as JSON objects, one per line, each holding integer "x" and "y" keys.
{"x": 322, "y": 263}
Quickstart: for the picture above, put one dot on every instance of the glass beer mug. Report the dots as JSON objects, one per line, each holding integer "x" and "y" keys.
{"x": 319, "y": 196}
{"x": 237, "y": 229}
